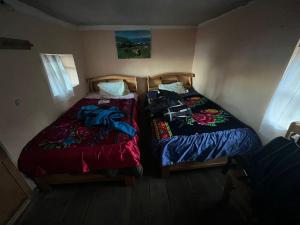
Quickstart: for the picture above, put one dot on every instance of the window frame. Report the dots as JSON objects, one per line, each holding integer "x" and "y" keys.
{"x": 56, "y": 97}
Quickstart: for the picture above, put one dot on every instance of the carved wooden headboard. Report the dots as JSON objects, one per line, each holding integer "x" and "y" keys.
{"x": 130, "y": 80}
{"x": 165, "y": 78}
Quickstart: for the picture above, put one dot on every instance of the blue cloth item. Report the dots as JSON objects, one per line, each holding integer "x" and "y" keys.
{"x": 206, "y": 146}
{"x": 92, "y": 115}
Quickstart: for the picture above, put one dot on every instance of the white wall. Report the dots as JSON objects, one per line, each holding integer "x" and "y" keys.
{"x": 22, "y": 77}
{"x": 240, "y": 57}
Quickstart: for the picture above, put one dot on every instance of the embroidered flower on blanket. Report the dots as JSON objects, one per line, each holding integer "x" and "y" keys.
{"x": 210, "y": 117}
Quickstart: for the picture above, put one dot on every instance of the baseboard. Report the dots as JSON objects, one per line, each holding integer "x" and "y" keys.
{"x": 19, "y": 212}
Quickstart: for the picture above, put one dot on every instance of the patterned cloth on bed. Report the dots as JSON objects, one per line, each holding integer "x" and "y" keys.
{"x": 210, "y": 132}
{"x": 69, "y": 146}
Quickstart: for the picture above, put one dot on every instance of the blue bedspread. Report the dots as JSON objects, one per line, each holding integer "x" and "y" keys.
{"x": 206, "y": 146}
{"x": 210, "y": 132}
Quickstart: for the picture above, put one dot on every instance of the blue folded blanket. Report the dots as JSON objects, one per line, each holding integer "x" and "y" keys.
{"x": 92, "y": 115}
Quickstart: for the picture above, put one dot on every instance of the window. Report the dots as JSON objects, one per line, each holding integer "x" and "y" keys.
{"x": 69, "y": 65}
{"x": 284, "y": 105}
{"x": 61, "y": 73}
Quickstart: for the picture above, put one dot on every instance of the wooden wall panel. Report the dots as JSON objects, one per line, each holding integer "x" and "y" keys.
{"x": 13, "y": 189}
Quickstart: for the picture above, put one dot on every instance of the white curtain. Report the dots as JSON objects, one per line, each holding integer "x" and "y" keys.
{"x": 59, "y": 80}
{"x": 284, "y": 106}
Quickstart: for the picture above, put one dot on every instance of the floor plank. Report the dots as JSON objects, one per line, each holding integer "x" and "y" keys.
{"x": 181, "y": 205}
{"x": 49, "y": 208}
{"x": 160, "y": 205}
{"x": 76, "y": 212}
{"x": 140, "y": 203}
{"x": 110, "y": 205}
{"x": 182, "y": 198}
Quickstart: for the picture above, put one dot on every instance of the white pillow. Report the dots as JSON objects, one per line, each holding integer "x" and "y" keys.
{"x": 113, "y": 88}
{"x": 176, "y": 87}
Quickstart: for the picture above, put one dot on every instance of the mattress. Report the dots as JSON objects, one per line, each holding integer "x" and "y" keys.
{"x": 68, "y": 146}
{"x": 211, "y": 132}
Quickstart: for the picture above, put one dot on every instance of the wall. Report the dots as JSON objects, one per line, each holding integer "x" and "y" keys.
{"x": 240, "y": 57}
{"x": 22, "y": 77}
{"x": 239, "y": 60}
{"x": 172, "y": 50}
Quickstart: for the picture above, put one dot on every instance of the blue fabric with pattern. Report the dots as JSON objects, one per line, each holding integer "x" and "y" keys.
{"x": 92, "y": 115}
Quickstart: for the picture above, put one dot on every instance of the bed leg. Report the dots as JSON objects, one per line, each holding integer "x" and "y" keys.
{"x": 129, "y": 180}
{"x": 42, "y": 185}
{"x": 165, "y": 172}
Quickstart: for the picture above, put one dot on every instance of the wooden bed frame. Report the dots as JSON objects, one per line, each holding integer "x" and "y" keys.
{"x": 166, "y": 170}
{"x": 187, "y": 80}
{"x": 165, "y": 78}
{"x": 44, "y": 183}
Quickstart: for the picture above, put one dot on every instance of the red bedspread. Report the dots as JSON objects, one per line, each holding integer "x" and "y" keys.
{"x": 67, "y": 146}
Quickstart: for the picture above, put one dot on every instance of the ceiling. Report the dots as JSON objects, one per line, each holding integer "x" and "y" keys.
{"x": 135, "y": 12}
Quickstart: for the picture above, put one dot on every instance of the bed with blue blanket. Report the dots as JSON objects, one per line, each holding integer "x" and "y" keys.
{"x": 204, "y": 139}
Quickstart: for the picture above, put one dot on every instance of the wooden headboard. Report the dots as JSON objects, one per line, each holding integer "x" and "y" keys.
{"x": 166, "y": 78}
{"x": 130, "y": 80}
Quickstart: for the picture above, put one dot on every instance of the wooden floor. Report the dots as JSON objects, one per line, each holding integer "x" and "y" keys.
{"x": 184, "y": 198}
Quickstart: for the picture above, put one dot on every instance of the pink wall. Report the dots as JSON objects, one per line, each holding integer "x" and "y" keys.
{"x": 22, "y": 77}
{"x": 172, "y": 51}
{"x": 240, "y": 57}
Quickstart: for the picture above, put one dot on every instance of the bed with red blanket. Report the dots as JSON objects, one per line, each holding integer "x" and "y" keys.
{"x": 69, "y": 147}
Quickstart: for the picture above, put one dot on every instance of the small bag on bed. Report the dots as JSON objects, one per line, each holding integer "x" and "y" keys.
{"x": 160, "y": 101}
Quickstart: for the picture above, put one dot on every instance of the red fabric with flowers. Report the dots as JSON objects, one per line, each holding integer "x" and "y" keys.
{"x": 67, "y": 146}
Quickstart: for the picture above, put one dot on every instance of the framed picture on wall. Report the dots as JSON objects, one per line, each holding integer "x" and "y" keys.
{"x": 133, "y": 44}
